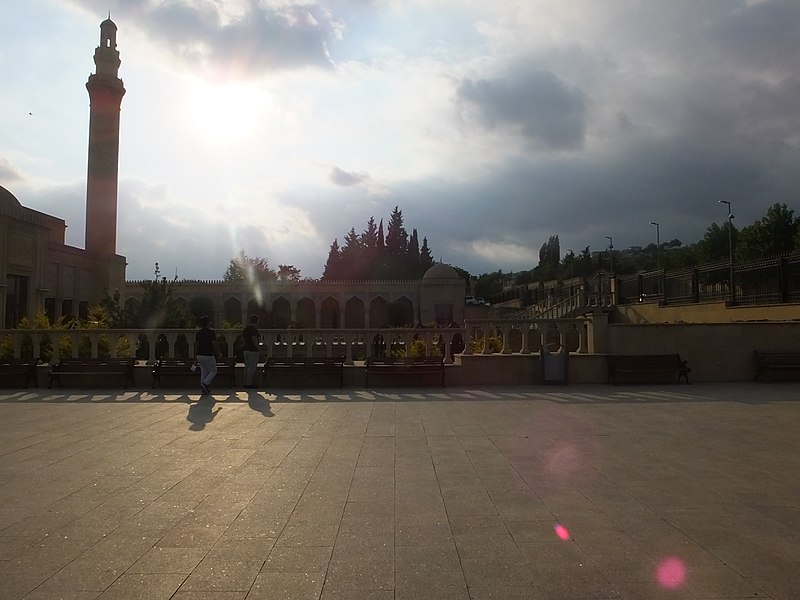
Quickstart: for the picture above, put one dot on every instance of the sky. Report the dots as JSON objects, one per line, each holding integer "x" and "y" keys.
{"x": 273, "y": 127}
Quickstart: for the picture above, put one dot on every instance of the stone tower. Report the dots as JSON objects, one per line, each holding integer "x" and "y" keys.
{"x": 105, "y": 96}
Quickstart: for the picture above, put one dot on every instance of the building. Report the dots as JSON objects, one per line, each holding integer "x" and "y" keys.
{"x": 37, "y": 269}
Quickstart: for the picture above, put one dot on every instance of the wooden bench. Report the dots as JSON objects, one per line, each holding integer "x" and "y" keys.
{"x": 330, "y": 368}
{"x": 660, "y": 365}
{"x": 403, "y": 366}
{"x": 182, "y": 367}
{"x": 93, "y": 367}
{"x": 780, "y": 362}
{"x": 19, "y": 368}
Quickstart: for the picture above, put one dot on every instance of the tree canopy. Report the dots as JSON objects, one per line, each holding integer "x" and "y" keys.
{"x": 371, "y": 255}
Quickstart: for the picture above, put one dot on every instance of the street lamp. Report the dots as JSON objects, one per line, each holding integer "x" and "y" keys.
{"x": 730, "y": 247}
{"x": 658, "y": 244}
{"x": 611, "y": 282}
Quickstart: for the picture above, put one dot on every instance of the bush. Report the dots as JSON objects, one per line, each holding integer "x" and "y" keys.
{"x": 495, "y": 345}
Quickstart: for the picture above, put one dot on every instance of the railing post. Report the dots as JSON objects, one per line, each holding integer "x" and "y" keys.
{"x": 348, "y": 349}
{"x": 524, "y": 329}
{"x": 506, "y": 327}
{"x": 447, "y": 348}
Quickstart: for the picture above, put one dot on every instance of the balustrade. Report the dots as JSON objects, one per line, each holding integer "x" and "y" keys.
{"x": 508, "y": 336}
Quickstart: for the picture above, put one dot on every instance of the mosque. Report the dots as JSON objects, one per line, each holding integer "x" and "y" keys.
{"x": 38, "y": 270}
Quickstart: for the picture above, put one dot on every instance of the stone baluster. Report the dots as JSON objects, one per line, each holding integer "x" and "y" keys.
{"x": 506, "y": 327}
{"x": 487, "y": 333}
{"x": 524, "y": 328}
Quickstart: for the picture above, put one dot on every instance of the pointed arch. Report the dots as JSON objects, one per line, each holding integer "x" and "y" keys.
{"x": 281, "y": 312}
{"x": 232, "y": 310}
{"x": 329, "y": 313}
{"x": 354, "y": 313}
{"x": 306, "y": 314}
{"x": 378, "y": 313}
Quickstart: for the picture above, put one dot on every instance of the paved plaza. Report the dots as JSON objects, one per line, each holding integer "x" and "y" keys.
{"x": 630, "y": 492}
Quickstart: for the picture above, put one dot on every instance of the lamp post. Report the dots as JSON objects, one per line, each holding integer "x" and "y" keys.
{"x": 612, "y": 282}
{"x": 658, "y": 258}
{"x": 730, "y": 248}
{"x": 658, "y": 244}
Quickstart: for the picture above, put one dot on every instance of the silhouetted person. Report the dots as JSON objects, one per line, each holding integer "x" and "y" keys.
{"x": 206, "y": 353}
{"x": 251, "y": 342}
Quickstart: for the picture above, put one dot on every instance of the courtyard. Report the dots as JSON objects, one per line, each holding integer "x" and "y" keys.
{"x": 583, "y": 491}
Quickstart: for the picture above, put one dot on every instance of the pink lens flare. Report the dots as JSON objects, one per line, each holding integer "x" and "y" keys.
{"x": 671, "y": 572}
{"x": 561, "y": 532}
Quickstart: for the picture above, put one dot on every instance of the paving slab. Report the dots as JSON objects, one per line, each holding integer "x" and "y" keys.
{"x": 545, "y": 493}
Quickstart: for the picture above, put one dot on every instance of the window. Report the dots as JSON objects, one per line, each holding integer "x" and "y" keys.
{"x": 66, "y": 309}
{"x": 16, "y": 300}
{"x": 50, "y": 309}
{"x": 443, "y": 314}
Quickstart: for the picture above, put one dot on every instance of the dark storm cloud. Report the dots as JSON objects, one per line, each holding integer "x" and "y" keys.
{"x": 347, "y": 178}
{"x": 762, "y": 34}
{"x": 263, "y": 38}
{"x": 534, "y": 102}
{"x": 676, "y": 182}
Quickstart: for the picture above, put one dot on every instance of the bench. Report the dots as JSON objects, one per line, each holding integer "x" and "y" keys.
{"x": 663, "y": 365}
{"x": 182, "y": 367}
{"x": 92, "y": 367}
{"x": 769, "y": 362}
{"x": 21, "y": 368}
{"x": 330, "y": 368}
{"x": 402, "y": 366}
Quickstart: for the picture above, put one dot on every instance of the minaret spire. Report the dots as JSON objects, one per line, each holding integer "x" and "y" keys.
{"x": 105, "y": 94}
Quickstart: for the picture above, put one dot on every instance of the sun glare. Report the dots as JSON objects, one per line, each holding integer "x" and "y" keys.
{"x": 220, "y": 112}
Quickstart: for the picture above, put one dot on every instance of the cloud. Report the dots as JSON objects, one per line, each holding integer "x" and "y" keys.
{"x": 233, "y": 39}
{"x": 534, "y": 102}
{"x": 8, "y": 172}
{"x": 348, "y": 179}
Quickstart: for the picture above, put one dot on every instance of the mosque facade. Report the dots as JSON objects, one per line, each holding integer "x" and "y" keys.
{"x": 39, "y": 271}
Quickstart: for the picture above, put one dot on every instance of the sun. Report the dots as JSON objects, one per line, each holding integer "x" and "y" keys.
{"x": 224, "y": 112}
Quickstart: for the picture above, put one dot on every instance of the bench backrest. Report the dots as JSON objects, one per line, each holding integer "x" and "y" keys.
{"x": 304, "y": 361}
{"x": 644, "y": 360}
{"x": 71, "y": 363}
{"x": 169, "y": 362}
{"x": 18, "y": 362}
{"x": 777, "y": 358}
{"x": 405, "y": 360}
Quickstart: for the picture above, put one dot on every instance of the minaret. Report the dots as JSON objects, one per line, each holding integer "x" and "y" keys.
{"x": 105, "y": 96}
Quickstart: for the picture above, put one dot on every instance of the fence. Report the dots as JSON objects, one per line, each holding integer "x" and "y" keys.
{"x": 771, "y": 281}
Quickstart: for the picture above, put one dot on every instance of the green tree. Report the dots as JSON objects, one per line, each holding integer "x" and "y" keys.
{"x": 352, "y": 264}
{"x": 773, "y": 235}
{"x": 396, "y": 243}
{"x": 288, "y": 274}
{"x": 333, "y": 268}
{"x": 425, "y": 257}
{"x": 160, "y": 307}
{"x": 246, "y": 268}
{"x": 714, "y": 246}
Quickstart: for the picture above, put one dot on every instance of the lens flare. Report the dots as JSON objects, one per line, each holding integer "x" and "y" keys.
{"x": 561, "y": 532}
{"x": 671, "y": 572}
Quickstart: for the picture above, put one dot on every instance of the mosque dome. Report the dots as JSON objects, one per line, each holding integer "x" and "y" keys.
{"x": 8, "y": 198}
{"x": 441, "y": 271}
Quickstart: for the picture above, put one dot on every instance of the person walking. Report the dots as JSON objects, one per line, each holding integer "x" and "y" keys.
{"x": 205, "y": 348}
{"x": 251, "y": 342}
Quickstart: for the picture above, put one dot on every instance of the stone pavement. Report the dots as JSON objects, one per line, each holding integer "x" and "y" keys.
{"x": 630, "y": 492}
